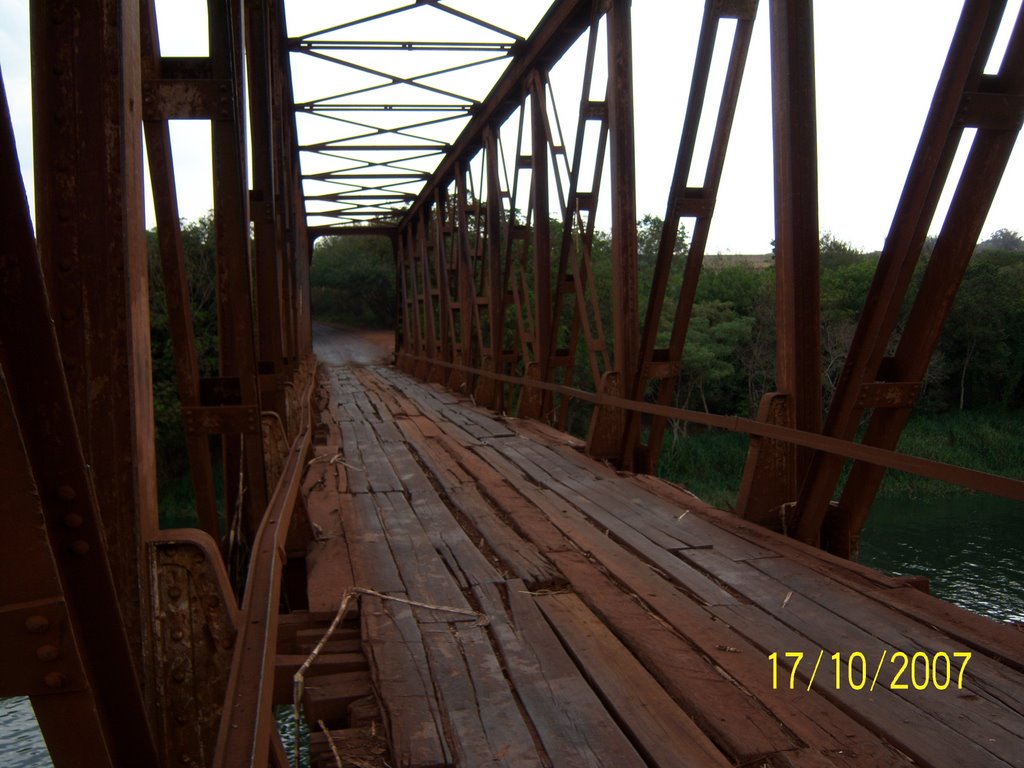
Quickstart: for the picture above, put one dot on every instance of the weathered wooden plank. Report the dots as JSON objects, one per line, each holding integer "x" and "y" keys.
{"x": 815, "y": 628}
{"x": 520, "y": 556}
{"x": 327, "y": 697}
{"x": 401, "y": 676}
{"x": 662, "y": 731}
{"x": 328, "y": 573}
{"x": 373, "y": 564}
{"x": 323, "y": 507}
{"x": 572, "y": 723}
{"x": 617, "y": 544}
{"x": 286, "y": 665}
{"x": 663, "y": 523}
{"x": 485, "y": 725}
{"x": 999, "y": 685}
{"x": 351, "y": 460}
{"x": 521, "y": 513}
{"x": 716, "y": 703}
{"x": 720, "y": 677}
{"x": 388, "y": 433}
{"x": 896, "y": 721}
{"x": 423, "y": 572}
{"x": 466, "y": 563}
{"x": 378, "y": 472}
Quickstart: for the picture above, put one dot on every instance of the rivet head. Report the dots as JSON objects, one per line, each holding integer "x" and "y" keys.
{"x": 178, "y": 676}
{"x": 37, "y": 624}
{"x": 73, "y": 520}
{"x": 227, "y": 643}
{"x": 174, "y": 592}
{"x": 66, "y": 493}
{"x": 55, "y": 680}
{"x": 80, "y": 547}
{"x": 177, "y": 635}
{"x": 47, "y": 652}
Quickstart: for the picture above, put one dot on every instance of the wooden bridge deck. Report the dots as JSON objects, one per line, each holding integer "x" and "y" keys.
{"x": 627, "y": 622}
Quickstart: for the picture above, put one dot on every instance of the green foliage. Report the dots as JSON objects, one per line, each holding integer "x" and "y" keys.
{"x": 200, "y": 267}
{"x": 707, "y": 461}
{"x": 352, "y": 281}
{"x": 983, "y": 338}
{"x": 987, "y": 440}
{"x": 176, "y": 499}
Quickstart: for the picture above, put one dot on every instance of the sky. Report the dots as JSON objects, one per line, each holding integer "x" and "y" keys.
{"x": 877, "y": 64}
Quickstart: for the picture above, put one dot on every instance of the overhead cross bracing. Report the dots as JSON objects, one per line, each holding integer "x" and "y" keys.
{"x": 382, "y": 92}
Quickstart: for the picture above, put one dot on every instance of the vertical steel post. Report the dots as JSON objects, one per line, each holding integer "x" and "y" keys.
{"x": 797, "y": 280}
{"x": 262, "y": 74}
{"x": 87, "y": 98}
{"x": 231, "y": 221}
{"x": 607, "y": 426}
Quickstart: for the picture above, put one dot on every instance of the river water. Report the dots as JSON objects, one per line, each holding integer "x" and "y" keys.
{"x": 971, "y": 548}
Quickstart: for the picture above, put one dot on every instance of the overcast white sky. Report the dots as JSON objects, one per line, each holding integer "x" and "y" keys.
{"x": 877, "y": 63}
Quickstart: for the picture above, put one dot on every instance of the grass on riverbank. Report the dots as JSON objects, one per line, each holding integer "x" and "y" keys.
{"x": 710, "y": 462}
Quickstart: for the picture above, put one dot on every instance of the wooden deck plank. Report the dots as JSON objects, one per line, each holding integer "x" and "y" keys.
{"x": 373, "y": 564}
{"x": 573, "y": 725}
{"x": 483, "y": 723}
{"x": 952, "y": 719}
{"x": 423, "y": 572}
{"x": 328, "y": 573}
{"x": 720, "y": 677}
{"x": 663, "y": 732}
{"x": 401, "y": 677}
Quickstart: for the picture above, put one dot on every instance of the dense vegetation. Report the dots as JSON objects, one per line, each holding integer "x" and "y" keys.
{"x": 969, "y": 412}
{"x": 177, "y": 502}
{"x": 352, "y": 281}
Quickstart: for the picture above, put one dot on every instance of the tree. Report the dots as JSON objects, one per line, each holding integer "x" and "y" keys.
{"x": 352, "y": 280}
{"x": 1003, "y": 240}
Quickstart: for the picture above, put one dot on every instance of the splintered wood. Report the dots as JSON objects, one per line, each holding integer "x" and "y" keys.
{"x": 628, "y": 623}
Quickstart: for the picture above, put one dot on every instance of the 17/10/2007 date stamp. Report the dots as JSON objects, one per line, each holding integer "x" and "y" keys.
{"x": 897, "y": 671}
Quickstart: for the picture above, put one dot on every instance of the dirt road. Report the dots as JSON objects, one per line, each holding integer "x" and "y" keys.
{"x": 336, "y": 345}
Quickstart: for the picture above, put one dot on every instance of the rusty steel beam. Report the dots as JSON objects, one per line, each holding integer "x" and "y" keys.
{"x": 488, "y": 393}
{"x": 557, "y": 31}
{"x": 663, "y": 366}
{"x": 773, "y": 472}
{"x": 961, "y": 74}
{"x": 607, "y": 425}
{"x": 248, "y": 728}
{"x": 983, "y": 170}
{"x": 87, "y": 96}
{"x": 236, "y": 325}
{"x": 263, "y": 71}
{"x": 797, "y": 282}
{"x": 99, "y": 693}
